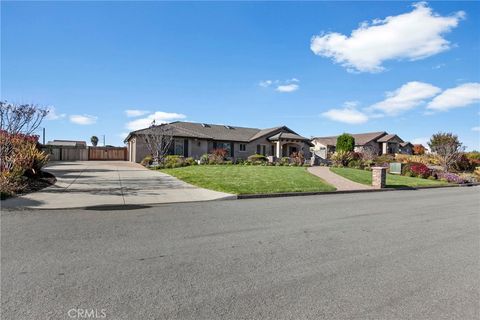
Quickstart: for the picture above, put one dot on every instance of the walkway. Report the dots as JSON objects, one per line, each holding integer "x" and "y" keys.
{"x": 339, "y": 182}
{"x": 99, "y": 183}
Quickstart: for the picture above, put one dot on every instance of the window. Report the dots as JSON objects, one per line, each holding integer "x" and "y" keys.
{"x": 224, "y": 145}
{"x": 243, "y": 147}
{"x": 261, "y": 149}
{"x": 178, "y": 148}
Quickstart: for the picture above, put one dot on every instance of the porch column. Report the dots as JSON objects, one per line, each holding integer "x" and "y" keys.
{"x": 278, "y": 149}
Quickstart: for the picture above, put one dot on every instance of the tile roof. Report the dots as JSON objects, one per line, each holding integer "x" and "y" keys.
{"x": 215, "y": 131}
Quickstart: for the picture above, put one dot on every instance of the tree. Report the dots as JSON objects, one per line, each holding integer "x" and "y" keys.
{"x": 418, "y": 149}
{"x": 21, "y": 118}
{"x": 158, "y": 140}
{"x": 94, "y": 140}
{"x": 345, "y": 142}
{"x": 447, "y": 148}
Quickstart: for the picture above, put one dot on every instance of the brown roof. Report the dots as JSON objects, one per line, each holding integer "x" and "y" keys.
{"x": 215, "y": 131}
{"x": 287, "y": 135}
{"x": 360, "y": 138}
{"x": 404, "y": 144}
{"x": 389, "y": 137}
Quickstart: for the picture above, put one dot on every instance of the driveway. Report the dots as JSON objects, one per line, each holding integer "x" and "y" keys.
{"x": 97, "y": 183}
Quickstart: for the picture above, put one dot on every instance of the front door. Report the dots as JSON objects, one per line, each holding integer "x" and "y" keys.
{"x": 292, "y": 150}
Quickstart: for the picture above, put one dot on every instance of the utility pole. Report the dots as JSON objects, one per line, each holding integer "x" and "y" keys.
{"x": 104, "y": 140}
{"x": 43, "y": 135}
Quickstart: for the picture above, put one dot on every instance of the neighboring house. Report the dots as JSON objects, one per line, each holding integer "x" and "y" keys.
{"x": 406, "y": 148}
{"x": 374, "y": 142}
{"x": 67, "y": 143}
{"x": 195, "y": 139}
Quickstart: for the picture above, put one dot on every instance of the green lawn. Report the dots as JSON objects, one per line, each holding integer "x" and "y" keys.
{"x": 238, "y": 179}
{"x": 393, "y": 180}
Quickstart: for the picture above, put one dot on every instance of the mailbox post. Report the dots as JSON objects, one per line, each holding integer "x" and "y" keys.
{"x": 379, "y": 177}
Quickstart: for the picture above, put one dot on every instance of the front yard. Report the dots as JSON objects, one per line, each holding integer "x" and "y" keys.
{"x": 239, "y": 179}
{"x": 393, "y": 181}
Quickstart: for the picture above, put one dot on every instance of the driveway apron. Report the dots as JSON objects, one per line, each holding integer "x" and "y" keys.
{"x": 98, "y": 183}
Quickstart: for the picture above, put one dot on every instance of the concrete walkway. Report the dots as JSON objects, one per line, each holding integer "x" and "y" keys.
{"x": 97, "y": 183}
{"x": 339, "y": 182}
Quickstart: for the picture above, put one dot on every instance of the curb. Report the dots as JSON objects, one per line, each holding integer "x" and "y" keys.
{"x": 299, "y": 194}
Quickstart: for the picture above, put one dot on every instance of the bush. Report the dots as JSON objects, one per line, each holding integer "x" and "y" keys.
{"x": 420, "y": 170}
{"x": 257, "y": 159}
{"x": 284, "y": 161}
{"x": 464, "y": 163}
{"x": 345, "y": 142}
{"x": 20, "y": 159}
{"x": 342, "y": 158}
{"x": 204, "y": 158}
{"x": 384, "y": 159}
{"x": 431, "y": 178}
{"x": 190, "y": 161}
{"x": 449, "y": 177}
{"x": 174, "y": 161}
{"x": 297, "y": 158}
{"x": 358, "y": 164}
{"x": 146, "y": 161}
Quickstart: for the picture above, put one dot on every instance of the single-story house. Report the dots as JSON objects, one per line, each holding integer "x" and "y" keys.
{"x": 192, "y": 139}
{"x": 375, "y": 142}
{"x": 68, "y": 143}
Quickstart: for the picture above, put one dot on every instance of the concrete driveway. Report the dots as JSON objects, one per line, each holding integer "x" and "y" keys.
{"x": 96, "y": 183}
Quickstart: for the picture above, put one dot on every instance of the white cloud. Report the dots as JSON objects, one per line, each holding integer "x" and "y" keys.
{"x": 287, "y": 87}
{"x": 53, "y": 115}
{"x": 414, "y": 35}
{"x": 348, "y": 114}
{"x": 476, "y": 129}
{"x": 83, "y": 119}
{"x": 159, "y": 117}
{"x": 131, "y": 113}
{"x": 407, "y": 97}
{"x": 265, "y": 83}
{"x": 461, "y": 96}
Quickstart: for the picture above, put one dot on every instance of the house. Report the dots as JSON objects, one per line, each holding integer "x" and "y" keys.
{"x": 192, "y": 139}
{"x": 67, "y": 143}
{"x": 374, "y": 142}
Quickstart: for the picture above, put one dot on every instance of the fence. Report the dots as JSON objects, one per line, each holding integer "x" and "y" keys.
{"x": 66, "y": 153}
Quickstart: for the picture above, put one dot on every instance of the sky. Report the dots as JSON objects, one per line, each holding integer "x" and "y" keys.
{"x": 320, "y": 68}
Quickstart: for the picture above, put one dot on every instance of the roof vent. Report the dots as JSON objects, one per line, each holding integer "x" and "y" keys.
{"x": 205, "y": 125}
{"x": 228, "y": 127}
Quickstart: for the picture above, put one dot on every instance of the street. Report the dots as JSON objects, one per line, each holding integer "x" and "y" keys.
{"x": 382, "y": 255}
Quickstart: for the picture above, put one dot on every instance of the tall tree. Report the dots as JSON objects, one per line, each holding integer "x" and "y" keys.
{"x": 447, "y": 147}
{"x": 345, "y": 142}
{"x": 94, "y": 140}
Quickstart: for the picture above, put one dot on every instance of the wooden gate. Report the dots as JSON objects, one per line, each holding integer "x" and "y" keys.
{"x": 107, "y": 153}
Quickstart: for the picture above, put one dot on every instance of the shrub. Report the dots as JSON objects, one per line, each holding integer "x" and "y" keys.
{"x": 449, "y": 177}
{"x": 345, "y": 142}
{"x": 204, "y": 158}
{"x": 190, "y": 161}
{"x": 342, "y": 158}
{"x": 20, "y": 158}
{"x": 432, "y": 178}
{"x": 420, "y": 170}
{"x": 297, "y": 158}
{"x": 174, "y": 161}
{"x": 146, "y": 161}
{"x": 284, "y": 161}
{"x": 384, "y": 159}
{"x": 257, "y": 159}
{"x": 218, "y": 156}
{"x": 464, "y": 163}
{"x": 358, "y": 164}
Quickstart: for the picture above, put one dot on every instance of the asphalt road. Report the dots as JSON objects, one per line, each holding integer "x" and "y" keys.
{"x": 389, "y": 255}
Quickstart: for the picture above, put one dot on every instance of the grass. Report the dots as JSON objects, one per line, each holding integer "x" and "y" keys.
{"x": 239, "y": 179}
{"x": 393, "y": 181}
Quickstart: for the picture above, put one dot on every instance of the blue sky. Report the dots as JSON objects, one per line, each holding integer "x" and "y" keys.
{"x": 321, "y": 68}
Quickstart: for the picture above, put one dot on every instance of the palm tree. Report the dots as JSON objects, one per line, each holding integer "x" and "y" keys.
{"x": 94, "y": 140}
